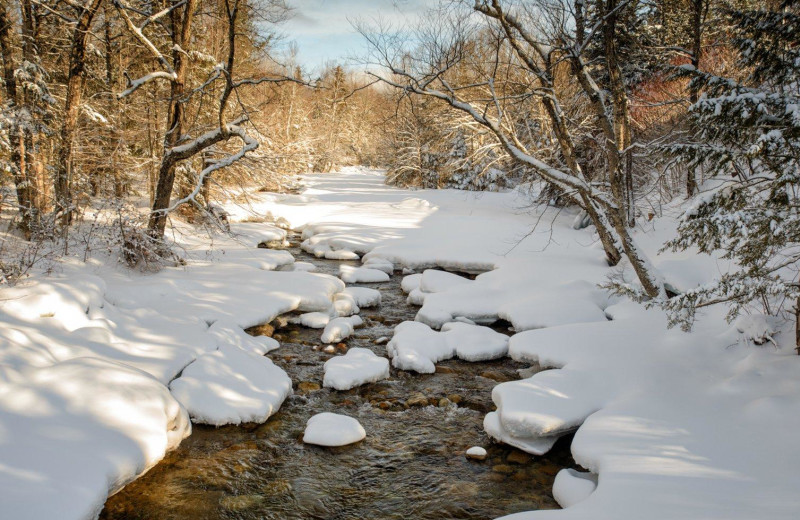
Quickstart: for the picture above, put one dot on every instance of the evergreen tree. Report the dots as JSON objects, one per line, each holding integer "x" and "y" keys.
{"x": 748, "y": 138}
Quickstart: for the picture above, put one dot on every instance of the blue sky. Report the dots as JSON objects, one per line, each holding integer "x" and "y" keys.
{"x": 323, "y": 31}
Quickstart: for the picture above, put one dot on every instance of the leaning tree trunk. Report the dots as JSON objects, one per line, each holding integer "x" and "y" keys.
{"x": 181, "y": 26}
{"x": 74, "y": 96}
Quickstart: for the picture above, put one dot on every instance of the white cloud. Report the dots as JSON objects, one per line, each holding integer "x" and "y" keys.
{"x": 323, "y": 29}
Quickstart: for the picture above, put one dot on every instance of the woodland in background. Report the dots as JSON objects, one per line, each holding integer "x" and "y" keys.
{"x": 96, "y": 93}
{"x": 617, "y": 106}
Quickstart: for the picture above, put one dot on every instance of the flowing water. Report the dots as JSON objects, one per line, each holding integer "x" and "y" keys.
{"x": 410, "y": 466}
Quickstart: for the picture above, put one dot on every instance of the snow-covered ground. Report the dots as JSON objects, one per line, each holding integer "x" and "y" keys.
{"x": 699, "y": 425}
{"x": 670, "y": 424}
{"x": 87, "y": 355}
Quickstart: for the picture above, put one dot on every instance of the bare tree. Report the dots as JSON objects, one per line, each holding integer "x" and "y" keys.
{"x": 177, "y": 145}
{"x": 539, "y": 47}
{"x": 81, "y": 18}
{"x": 27, "y": 99}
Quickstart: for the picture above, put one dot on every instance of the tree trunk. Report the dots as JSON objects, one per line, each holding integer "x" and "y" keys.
{"x": 620, "y": 171}
{"x": 181, "y": 27}
{"x": 797, "y": 326}
{"x": 694, "y": 91}
{"x": 74, "y": 95}
{"x": 24, "y": 184}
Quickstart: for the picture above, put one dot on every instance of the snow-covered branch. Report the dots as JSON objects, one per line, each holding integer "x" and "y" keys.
{"x": 136, "y": 84}
{"x": 232, "y": 130}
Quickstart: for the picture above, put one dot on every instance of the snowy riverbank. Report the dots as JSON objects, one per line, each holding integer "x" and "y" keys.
{"x": 672, "y": 425}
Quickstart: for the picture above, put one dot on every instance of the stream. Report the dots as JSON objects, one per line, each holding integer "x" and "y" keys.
{"x": 411, "y": 464}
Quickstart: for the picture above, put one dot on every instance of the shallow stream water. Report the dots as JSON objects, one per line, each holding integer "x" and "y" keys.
{"x": 410, "y": 466}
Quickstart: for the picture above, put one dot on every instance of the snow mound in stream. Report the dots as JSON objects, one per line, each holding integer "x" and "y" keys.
{"x": 231, "y": 386}
{"x": 357, "y": 367}
{"x": 312, "y": 320}
{"x": 331, "y": 429}
{"x": 350, "y": 274}
{"x": 380, "y": 264}
{"x": 227, "y": 333}
{"x": 339, "y": 329}
{"x": 417, "y": 347}
{"x": 572, "y": 486}
{"x": 364, "y": 296}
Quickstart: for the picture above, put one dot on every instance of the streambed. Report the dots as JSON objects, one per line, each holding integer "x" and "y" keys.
{"x": 411, "y": 465}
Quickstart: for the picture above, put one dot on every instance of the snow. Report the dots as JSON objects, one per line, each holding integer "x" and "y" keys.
{"x": 534, "y": 445}
{"x": 475, "y": 343}
{"x": 339, "y": 329}
{"x": 74, "y": 431}
{"x": 92, "y": 347}
{"x": 331, "y": 429}
{"x": 698, "y": 425}
{"x": 341, "y": 254}
{"x": 411, "y": 282}
{"x": 312, "y": 320}
{"x": 498, "y": 295}
{"x": 417, "y": 347}
{"x": 350, "y": 274}
{"x": 303, "y": 266}
{"x": 548, "y": 403}
{"x": 476, "y": 452}
{"x": 416, "y": 297}
{"x": 675, "y": 425}
{"x": 364, "y": 296}
{"x": 344, "y": 304}
{"x": 231, "y": 386}
{"x": 572, "y": 486}
{"x": 419, "y": 285}
{"x": 228, "y": 333}
{"x": 359, "y": 366}
{"x": 380, "y": 264}
{"x": 437, "y": 281}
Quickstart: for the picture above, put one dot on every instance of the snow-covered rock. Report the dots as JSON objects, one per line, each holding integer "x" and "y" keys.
{"x": 473, "y": 342}
{"x": 411, "y": 282}
{"x": 307, "y": 267}
{"x": 330, "y": 429}
{"x": 350, "y": 274}
{"x": 476, "y": 453}
{"x": 364, "y": 296}
{"x": 312, "y": 320}
{"x": 357, "y": 367}
{"x": 416, "y": 297}
{"x": 551, "y": 402}
{"x": 341, "y": 254}
{"x": 344, "y": 304}
{"x": 417, "y": 347}
{"x": 340, "y": 328}
{"x": 433, "y": 281}
{"x": 572, "y": 486}
{"x": 231, "y": 386}
{"x": 227, "y": 333}
{"x": 380, "y": 264}
{"x": 535, "y": 445}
